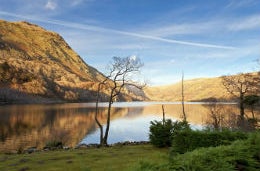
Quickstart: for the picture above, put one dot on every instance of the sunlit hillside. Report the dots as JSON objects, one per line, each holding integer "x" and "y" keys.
{"x": 203, "y": 89}
{"x": 37, "y": 65}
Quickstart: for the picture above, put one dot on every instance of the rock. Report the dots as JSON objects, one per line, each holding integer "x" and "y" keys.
{"x": 87, "y": 146}
{"x": 31, "y": 150}
{"x": 66, "y": 148}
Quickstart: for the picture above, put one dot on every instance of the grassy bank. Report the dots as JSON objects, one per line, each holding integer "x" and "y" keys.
{"x": 112, "y": 158}
{"x": 243, "y": 154}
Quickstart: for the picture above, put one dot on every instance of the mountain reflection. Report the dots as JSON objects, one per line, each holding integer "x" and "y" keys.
{"x": 34, "y": 125}
{"x": 23, "y": 126}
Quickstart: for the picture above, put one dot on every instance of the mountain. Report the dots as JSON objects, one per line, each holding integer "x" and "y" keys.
{"x": 38, "y": 66}
{"x": 202, "y": 89}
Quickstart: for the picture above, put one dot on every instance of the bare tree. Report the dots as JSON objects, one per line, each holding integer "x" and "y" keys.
{"x": 240, "y": 85}
{"x": 96, "y": 112}
{"x": 121, "y": 71}
{"x": 163, "y": 114}
{"x": 216, "y": 116}
{"x": 182, "y": 97}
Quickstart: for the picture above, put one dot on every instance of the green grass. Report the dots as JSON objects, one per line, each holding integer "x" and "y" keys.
{"x": 240, "y": 155}
{"x": 112, "y": 158}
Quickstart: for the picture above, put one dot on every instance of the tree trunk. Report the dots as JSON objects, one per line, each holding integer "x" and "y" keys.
{"x": 163, "y": 115}
{"x": 182, "y": 100}
{"x": 108, "y": 117}
{"x": 96, "y": 118}
{"x": 241, "y": 122}
{"x": 252, "y": 111}
{"x": 241, "y": 106}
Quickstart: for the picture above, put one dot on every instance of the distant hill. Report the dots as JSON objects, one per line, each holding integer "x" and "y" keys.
{"x": 202, "y": 89}
{"x": 38, "y": 66}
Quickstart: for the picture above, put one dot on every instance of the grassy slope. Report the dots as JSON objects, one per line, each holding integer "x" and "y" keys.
{"x": 115, "y": 158}
{"x": 41, "y": 63}
{"x": 194, "y": 90}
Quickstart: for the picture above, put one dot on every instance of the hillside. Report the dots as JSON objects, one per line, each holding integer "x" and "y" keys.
{"x": 38, "y": 66}
{"x": 202, "y": 89}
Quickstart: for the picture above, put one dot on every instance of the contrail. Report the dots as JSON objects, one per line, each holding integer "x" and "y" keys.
{"x": 101, "y": 29}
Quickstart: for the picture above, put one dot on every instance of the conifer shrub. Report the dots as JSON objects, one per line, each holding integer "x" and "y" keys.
{"x": 189, "y": 140}
{"x": 161, "y": 132}
{"x": 240, "y": 155}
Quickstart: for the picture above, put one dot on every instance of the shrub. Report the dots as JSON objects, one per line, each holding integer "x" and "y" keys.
{"x": 161, "y": 133}
{"x": 189, "y": 140}
{"x": 240, "y": 155}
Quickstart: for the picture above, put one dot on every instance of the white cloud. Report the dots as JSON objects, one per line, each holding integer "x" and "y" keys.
{"x": 216, "y": 26}
{"x": 114, "y": 31}
{"x": 76, "y": 2}
{"x": 51, "y": 5}
{"x": 183, "y": 29}
{"x": 248, "y": 23}
{"x": 241, "y": 3}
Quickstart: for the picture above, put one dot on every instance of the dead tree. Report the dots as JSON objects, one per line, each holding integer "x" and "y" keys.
{"x": 182, "y": 98}
{"x": 121, "y": 71}
{"x": 216, "y": 116}
{"x": 96, "y": 112}
{"x": 240, "y": 85}
{"x": 163, "y": 114}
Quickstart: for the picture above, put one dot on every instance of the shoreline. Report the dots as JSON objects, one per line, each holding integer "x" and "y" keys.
{"x": 79, "y": 146}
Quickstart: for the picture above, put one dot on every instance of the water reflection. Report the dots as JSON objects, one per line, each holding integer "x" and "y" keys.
{"x": 23, "y": 126}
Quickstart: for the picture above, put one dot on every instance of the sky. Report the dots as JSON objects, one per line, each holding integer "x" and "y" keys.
{"x": 201, "y": 38}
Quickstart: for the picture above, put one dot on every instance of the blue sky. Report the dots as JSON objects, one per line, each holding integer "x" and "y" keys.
{"x": 202, "y": 38}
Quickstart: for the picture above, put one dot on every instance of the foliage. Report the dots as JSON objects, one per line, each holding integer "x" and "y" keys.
{"x": 189, "y": 140}
{"x": 240, "y": 155}
{"x": 251, "y": 100}
{"x": 180, "y": 126}
{"x": 161, "y": 133}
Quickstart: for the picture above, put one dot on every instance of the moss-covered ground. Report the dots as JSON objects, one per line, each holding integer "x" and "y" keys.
{"x": 107, "y": 158}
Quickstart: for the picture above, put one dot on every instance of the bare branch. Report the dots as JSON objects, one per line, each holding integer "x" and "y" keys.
{"x": 119, "y": 76}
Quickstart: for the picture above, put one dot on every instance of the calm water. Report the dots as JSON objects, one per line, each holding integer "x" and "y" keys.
{"x": 23, "y": 126}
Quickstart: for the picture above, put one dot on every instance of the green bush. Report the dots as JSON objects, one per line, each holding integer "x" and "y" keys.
{"x": 240, "y": 155}
{"x": 189, "y": 140}
{"x": 161, "y": 133}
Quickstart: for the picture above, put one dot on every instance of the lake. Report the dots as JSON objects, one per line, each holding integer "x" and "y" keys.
{"x": 23, "y": 126}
